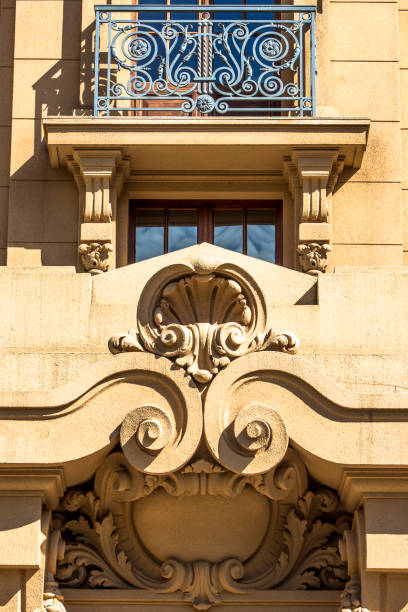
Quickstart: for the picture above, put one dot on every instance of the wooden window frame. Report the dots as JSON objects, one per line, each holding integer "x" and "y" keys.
{"x": 205, "y": 219}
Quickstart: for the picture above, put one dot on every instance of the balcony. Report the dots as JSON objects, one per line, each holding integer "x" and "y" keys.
{"x": 198, "y": 61}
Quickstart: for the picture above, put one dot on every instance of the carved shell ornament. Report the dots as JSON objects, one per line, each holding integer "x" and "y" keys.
{"x": 202, "y": 319}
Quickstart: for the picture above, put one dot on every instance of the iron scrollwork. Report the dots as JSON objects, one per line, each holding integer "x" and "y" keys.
{"x": 205, "y": 61}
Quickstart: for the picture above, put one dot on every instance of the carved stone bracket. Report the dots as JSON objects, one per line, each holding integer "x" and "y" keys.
{"x": 99, "y": 176}
{"x": 53, "y": 600}
{"x": 312, "y": 176}
{"x": 202, "y": 319}
{"x": 351, "y": 552}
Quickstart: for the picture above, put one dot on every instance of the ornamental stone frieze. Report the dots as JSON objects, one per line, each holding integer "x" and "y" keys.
{"x": 202, "y": 531}
{"x": 203, "y": 317}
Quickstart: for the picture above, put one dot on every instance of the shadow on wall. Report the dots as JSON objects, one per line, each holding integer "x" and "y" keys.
{"x": 45, "y": 197}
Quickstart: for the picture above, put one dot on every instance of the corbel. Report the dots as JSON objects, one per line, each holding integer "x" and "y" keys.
{"x": 99, "y": 176}
{"x": 376, "y": 546}
{"x": 352, "y": 553}
{"x": 311, "y": 176}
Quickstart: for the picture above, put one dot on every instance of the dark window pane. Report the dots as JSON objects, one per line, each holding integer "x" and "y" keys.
{"x": 228, "y": 229}
{"x": 182, "y": 229}
{"x": 261, "y": 238}
{"x": 148, "y": 15}
{"x": 149, "y": 234}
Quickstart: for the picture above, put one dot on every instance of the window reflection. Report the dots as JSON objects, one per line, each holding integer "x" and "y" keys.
{"x": 182, "y": 229}
{"x": 228, "y": 229}
{"x": 261, "y": 234}
{"x": 149, "y": 234}
{"x": 248, "y": 229}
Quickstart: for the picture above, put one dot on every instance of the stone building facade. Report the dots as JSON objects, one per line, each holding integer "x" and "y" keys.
{"x": 203, "y": 297}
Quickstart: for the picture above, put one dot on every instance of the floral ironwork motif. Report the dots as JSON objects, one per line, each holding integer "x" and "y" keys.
{"x": 206, "y": 61}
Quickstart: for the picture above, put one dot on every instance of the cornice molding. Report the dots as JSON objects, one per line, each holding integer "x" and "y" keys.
{"x": 45, "y": 482}
{"x": 359, "y": 484}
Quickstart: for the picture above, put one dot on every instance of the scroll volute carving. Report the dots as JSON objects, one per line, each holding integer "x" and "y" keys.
{"x": 203, "y": 316}
{"x": 250, "y": 440}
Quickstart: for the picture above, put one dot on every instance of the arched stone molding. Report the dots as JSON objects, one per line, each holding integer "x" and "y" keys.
{"x": 134, "y": 383}
{"x": 321, "y": 418}
{"x": 338, "y": 427}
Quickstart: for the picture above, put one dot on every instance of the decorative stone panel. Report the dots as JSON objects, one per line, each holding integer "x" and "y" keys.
{"x": 201, "y": 530}
{"x": 202, "y": 316}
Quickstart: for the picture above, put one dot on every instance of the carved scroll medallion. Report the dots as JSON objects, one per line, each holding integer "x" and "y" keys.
{"x": 202, "y": 531}
{"x": 203, "y": 316}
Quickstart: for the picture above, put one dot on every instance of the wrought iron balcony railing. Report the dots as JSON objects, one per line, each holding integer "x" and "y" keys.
{"x": 200, "y": 60}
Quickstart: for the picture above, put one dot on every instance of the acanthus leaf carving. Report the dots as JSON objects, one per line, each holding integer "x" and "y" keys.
{"x": 203, "y": 321}
{"x": 97, "y": 540}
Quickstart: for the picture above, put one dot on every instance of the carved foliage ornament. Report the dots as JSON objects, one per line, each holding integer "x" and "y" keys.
{"x": 202, "y": 320}
{"x": 313, "y": 257}
{"x": 110, "y": 531}
{"x": 95, "y": 257}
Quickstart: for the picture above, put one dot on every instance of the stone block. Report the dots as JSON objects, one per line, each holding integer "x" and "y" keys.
{"x": 4, "y": 156}
{"x": 96, "y": 231}
{"x": 367, "y": 213}
{"x": 404, "y": 97}
{"x": 382, "y": 158}
{"x": 43, "y": 86}
{"x": 62, "y": 19}
{"x": 6, "y": 80}
{"x": 29, "y": 157}
{"x": 403, "y": 38}
{"x": 367, "y": 255}
{"x": 314, "y": 231}
{"x": 386, "y": 534}
{"x": 10, "y": 590}
{"x": 34, "y": 254}
{"x": 43, "y": 211}
{"x": 404, "y": 157}
{"x": 353, "y": 97}
{"x": 353, "y": 25}
{"x": 20, "y": 519}
{"x": 49, "y": 307}
{"x": 6, "y": 36}
{"x": 4, "y": 195}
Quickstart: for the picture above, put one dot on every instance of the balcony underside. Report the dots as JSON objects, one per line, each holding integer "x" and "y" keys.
{"x": 205, "y": 145}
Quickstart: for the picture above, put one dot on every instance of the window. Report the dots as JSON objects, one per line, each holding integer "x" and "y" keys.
{"x": 162, "y": 226}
